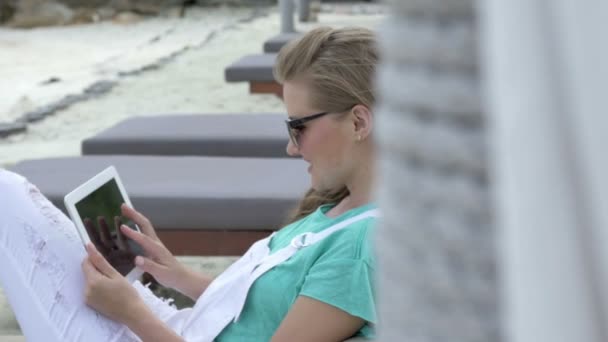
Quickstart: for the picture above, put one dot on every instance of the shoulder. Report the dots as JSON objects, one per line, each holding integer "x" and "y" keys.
{"x": 355, "y": 241}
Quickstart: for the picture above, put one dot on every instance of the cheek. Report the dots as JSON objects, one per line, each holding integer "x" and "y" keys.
{"x": 318, "y": 142}
{"x": 327, "y": 147}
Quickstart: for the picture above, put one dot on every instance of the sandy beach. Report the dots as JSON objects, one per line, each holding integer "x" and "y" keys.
{"x": 204, "y": 43}
{"x": 155, "y": 66}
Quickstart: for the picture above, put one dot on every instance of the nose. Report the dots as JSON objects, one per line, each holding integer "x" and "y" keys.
{"x": 292, "y": 149}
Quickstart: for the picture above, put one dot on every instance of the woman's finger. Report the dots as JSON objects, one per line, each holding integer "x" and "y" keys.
{"x": 139, "y": 219}
{"x": 90, "y": 272}
{"x": 150, "y": 246}
{"x": 120, "y": 237}
{"x": 100, "y": 263}
{"x": 150, "y": 266}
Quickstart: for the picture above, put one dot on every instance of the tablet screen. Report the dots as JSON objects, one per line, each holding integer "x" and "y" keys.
{"x": 101, "y": 216}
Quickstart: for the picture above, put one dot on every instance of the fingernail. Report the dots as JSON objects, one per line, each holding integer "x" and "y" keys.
{"x": 139, "y": 261}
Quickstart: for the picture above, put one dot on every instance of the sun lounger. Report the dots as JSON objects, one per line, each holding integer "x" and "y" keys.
{"x": 12, "y": 338}
{"x": 199, "y": 205}
{"x": 274, "y": 44}
{"x": 257, "y": 70}
{"x": 234, "y": 135}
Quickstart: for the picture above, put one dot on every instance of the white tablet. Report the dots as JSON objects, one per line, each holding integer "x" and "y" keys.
{"x": 95, "y": 209}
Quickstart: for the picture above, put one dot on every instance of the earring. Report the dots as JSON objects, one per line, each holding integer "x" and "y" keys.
{"x": 358, "y": 138}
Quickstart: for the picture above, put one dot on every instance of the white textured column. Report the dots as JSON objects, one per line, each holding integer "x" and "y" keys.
{"x": 546, "y": 74}
{"x": 436, "y": 242}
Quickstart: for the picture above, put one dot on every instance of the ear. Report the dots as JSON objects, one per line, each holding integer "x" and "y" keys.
{"x": 363, "y": 121}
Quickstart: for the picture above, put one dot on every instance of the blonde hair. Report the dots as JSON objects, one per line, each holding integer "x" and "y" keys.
{"x": 339, "y": 65}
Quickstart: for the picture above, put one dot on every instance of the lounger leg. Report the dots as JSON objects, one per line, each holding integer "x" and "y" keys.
{"x": 41, "y": 273}
{"x": 287, "y": 10}
{"x": 304, "y": 10}
{"x": 266, "y": 88}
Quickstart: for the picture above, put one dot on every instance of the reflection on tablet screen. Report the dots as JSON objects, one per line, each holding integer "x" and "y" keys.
{"x": 100, "y": 214}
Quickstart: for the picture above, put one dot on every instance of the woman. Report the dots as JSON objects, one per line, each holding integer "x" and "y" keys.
{"x": 310, "y": 281}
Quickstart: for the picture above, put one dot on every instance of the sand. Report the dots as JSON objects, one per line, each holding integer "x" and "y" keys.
{"x": 192, "y": 82}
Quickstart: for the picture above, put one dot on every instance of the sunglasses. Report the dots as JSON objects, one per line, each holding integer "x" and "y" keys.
{"x": 295, "y": 126}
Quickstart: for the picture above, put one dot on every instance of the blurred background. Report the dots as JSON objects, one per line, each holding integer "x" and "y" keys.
{"x": 70, "y": 69}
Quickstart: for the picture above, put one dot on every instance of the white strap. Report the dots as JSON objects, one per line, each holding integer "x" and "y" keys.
{"x": 308, "y": 239}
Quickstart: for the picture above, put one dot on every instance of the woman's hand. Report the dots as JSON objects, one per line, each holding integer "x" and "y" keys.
{"x": 159, "y": 261}
{"x": 107, "y": 291}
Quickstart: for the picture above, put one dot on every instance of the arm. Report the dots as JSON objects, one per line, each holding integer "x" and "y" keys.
{"x": 313, "y": 320}
{"x": 191, "y": 283}
{"x": 336, "y": 298}
{"x": 148, "y": 327}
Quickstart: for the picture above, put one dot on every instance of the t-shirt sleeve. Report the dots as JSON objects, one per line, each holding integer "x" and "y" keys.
{"x": 344, "y": 283}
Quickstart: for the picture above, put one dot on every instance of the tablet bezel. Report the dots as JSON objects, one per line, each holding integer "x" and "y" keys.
{"x": 83, "y": 191}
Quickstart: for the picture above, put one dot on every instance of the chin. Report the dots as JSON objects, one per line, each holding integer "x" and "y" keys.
{"x": 319, "y": 186}
{"x": 315, "y": 185}
{"x": 323, "y": 183}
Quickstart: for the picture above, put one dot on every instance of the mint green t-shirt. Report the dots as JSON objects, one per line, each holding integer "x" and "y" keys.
{"x": 338, "y": 270}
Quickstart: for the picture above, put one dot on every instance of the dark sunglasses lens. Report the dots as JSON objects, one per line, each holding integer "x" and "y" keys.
{"x": 293, "y": 135}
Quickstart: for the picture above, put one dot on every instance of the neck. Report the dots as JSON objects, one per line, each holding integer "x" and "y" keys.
{"x": 360, "y": 188}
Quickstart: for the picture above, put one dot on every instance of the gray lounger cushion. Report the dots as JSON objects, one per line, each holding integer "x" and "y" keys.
{"x": 234, "y": 135}
{"x": 256, "y": 68}
{"x": 186, "y": 192}
{"x": 12, "y": 338}
{"x": 274, "y": 44}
